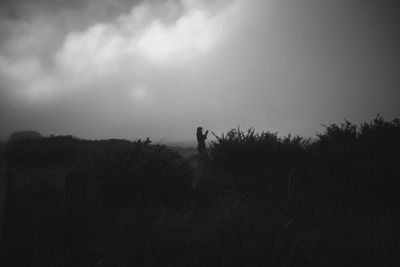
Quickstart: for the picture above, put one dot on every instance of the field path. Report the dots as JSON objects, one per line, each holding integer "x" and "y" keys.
{"x": 3, "y": 175}
{"x": 190, "y": 155}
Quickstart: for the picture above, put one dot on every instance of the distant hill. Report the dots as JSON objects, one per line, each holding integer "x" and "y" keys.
{"x": 24, "y": 135}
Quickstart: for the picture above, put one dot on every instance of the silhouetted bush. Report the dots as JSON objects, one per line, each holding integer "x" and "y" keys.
{"x": 362, "y": 161}
{"x": 116, "y": 178}
{"x": 347, "y": 166}
{"x": 49, "y": 151}
{"x": 249, "y": 152}
{"x": 254, "y": 163}
{"x": 131, "y": 171}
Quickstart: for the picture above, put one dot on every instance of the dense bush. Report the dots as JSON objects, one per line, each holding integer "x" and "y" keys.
{"x": 250, "y": 152}
{"x": 131, "y": 171}
{"x": 117, "y": 178}
{"x": 348, "y": 165}
{"x": 104, "y": 179}
{"x": 49, "y": 151}
{"x": 362, "y": 160}
{"x": 341, "y": 187}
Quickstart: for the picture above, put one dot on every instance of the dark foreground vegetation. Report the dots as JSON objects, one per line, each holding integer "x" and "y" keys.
{"x": 260, "y": 200}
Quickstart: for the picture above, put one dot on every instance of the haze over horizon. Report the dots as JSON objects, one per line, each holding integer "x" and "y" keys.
{"x": 136, "y": 69}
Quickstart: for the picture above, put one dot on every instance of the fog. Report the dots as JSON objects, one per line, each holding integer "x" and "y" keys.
{"x": 158, "y": 69}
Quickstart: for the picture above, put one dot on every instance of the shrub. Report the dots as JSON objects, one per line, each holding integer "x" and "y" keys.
{"x": 49, "y": 151}
{"x": 250, "y": 152}
{"x": 134, "y": 170}
{"x": 362, "y": 160}
{"x": 117, "y": 177}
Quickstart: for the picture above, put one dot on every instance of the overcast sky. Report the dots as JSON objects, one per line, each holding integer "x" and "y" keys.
{"x": 132, "y": 69}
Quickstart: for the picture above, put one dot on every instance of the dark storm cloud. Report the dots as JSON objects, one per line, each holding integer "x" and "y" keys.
{"x": 19, "y": 9}
{"x": 67, "y": 15}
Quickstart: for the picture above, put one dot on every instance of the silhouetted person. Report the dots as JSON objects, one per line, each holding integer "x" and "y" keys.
{"x": 201, "y": 144}
{"x": 147, "y": 142}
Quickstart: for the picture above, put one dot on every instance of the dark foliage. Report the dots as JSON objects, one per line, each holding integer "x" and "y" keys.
{"x": 362, "y": 161}
{"x": 347, "y": 164}
{"x": 260, "y": 200}
{"x": 249, "y": 152}
{"x": 2, "y": 147}
{"x": 103, "y": 179}
{"x": 50, "y": 151}
{"x": 126, "y": 172}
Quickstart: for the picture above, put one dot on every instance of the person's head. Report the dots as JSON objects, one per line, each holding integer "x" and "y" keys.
{"x": 199, "y": 130}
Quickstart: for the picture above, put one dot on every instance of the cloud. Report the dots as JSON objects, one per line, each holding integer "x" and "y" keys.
{"x": 132, "y": 48}
{"x": 27, "y": 79}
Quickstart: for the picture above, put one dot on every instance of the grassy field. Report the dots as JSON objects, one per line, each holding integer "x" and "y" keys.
{"x": 259, "y": 200}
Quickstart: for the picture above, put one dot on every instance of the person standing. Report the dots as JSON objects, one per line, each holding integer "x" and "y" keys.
{"x": 201, "y": 143}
